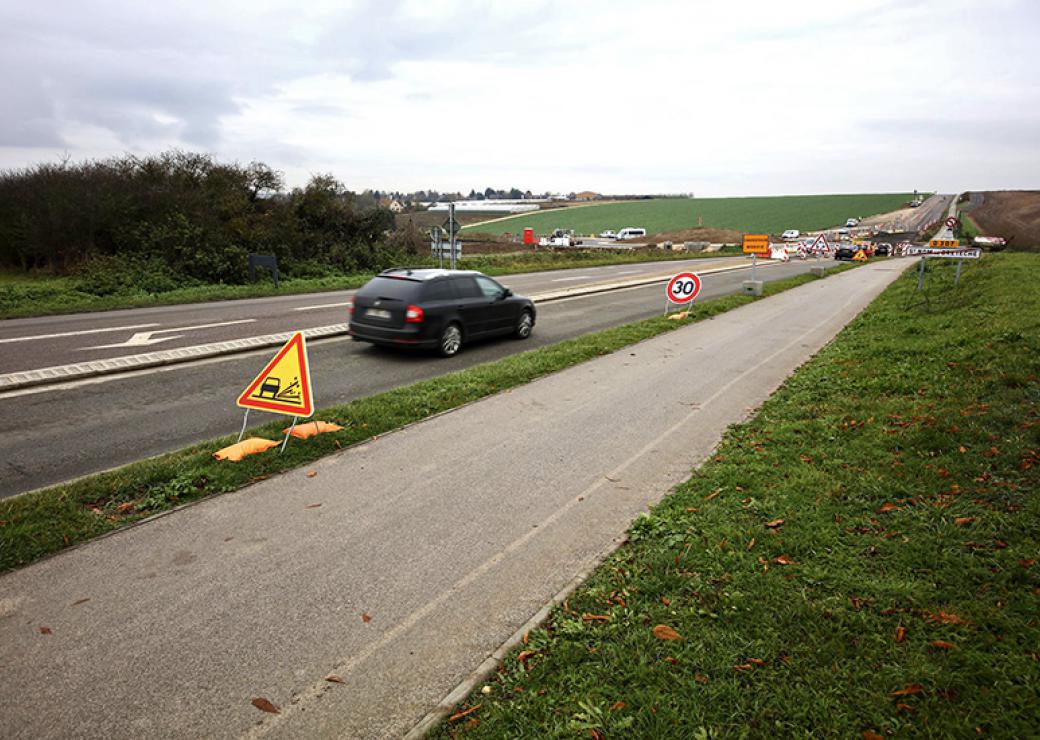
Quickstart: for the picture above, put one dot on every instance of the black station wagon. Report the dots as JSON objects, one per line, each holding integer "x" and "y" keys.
{"x": 437, "y": 309}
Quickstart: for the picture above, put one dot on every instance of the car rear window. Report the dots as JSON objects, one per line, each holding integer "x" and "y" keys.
{"x": 401, "y": 289}
{"x": 467, "y": 287}
{"x": 438, "y": 290}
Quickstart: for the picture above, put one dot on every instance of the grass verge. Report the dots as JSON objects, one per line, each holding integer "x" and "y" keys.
{"x": 859, "y": 559}
{"x": 43, "y": 522}
{"x": 41, "y": 295}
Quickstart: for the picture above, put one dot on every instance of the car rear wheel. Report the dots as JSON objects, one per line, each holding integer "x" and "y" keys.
{"x": 524, "y": 325}
{"x": 451, "y": 341}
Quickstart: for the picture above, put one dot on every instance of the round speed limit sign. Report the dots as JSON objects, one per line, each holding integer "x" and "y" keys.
{"x": 951, "y": 222}
{"x": 683, "y": 288}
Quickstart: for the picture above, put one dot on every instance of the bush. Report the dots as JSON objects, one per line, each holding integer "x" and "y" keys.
{"x": 104, "y": 276}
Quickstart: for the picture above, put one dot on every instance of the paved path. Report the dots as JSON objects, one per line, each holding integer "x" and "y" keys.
{"x": 449, "y": 535}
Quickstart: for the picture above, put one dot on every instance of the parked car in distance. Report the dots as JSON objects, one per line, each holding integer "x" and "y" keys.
{"x": 852, "y": 222}
{"x": 882, "y": 250}
{"x": 436, "y": 309}
{"x": 608, "y": 234}
{"x": 845, "y": 252}
{"x": 631, "y": 233}
{"x": 791, "y": 234}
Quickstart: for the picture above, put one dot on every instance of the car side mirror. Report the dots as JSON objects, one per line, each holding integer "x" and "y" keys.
{"x": 507, "y": 293}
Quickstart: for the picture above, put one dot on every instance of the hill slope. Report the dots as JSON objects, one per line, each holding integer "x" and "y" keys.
{"x": 770, "y": 214}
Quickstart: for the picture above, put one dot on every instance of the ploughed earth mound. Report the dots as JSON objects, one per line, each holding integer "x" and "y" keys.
{"x": 1010, "y": 214}
{"x": 714, "y": 236}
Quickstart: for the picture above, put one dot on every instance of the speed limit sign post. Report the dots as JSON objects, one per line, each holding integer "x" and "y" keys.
{"x": 682, "y": 289}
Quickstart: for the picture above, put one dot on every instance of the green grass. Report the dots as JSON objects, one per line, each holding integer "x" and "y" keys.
{"x": 769, "y": 215}
{"x": 40, "y": 295}
{"x": 857, "y": 560}
{"x": 43, "y": 522}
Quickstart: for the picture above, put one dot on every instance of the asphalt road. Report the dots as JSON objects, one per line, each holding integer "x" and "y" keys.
{"x": 63, "y": 431}
{"x": 402, "y": 563}
{"x": 46, "y": 341}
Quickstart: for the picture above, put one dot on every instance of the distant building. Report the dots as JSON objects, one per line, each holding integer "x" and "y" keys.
{"x": 587, "y": 195}
{"x": 393, "y": 204}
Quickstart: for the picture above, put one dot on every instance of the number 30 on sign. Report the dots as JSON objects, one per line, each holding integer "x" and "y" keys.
{"x": 683, "y": 288}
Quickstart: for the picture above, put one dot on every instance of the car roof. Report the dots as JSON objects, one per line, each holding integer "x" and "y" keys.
{"x": 423, "y": 273}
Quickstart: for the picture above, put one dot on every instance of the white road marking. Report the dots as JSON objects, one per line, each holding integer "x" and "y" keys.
{"x": 327, "y": 305}
{"x": 77, "y": 333}
{"x": 144, "y": 338}
{"x": 576, "y": 277}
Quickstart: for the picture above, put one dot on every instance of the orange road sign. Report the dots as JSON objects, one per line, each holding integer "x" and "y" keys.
{"x": 284, "y": 386}
{"x": 756, "y": 244}
{"x": 945, "y": 243}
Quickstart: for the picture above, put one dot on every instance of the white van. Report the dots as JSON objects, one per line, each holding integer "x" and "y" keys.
{"x": 630, "y": 233}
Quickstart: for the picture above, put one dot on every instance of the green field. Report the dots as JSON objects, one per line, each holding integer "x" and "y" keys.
{"x": 771, "y": 214}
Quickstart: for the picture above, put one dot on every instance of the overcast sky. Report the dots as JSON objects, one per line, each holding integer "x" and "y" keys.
{"x": 728, "y": 97}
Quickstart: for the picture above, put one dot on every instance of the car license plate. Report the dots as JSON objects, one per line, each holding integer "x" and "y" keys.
{"x": 377, "y": 313}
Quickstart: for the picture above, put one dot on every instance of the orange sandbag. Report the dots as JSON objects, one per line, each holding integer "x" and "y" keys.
{"x": 310, "y": 428}
{"x": 250, "y": 446}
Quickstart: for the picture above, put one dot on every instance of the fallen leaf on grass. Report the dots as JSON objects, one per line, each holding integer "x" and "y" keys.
{"x": 756, "y": 661}
{"x": 265, "y": 706}
{"x": 594, "y": 618}
{"x": 459, "y": 715}
{"x": 691, "y": 510}
{"x": 887, "y": 507}
{"x": 942, "y": 645}
{"x": 125, "y": 507}
{"x": 664, "y": 632}
{"x": 46, "y": 631}
{"x": 617, "y": 706}
{"x": 871, "y": 735}
{"x": 666, "y": 601}
{"x": 946, "y": 618}
{"x": 595, "y": 734}
{"x": 366, "y": 618}
{"x": 775, "y": 523}
{"x": 751, "y": 544}
{"x": 700, "y": 678}
{"x": 962, "y": 520}
{"x": 524, "y": 656}
{"x": 900, "y": 634}
{"x": 1027, "y": 563}
{"x": 905, "y": 707}
{"x": 670, "y": 659}
{"x": 712, "y": 495}
{"x": 312, "y": 473}
{"x": 333, "y": 678}
{"x": 914, "y": 688}
{"x": 783, "y": 560}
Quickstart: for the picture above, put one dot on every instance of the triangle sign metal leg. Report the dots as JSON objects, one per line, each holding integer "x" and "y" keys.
{"x": 245, "y": 420}
{"x": 286, "y": 440}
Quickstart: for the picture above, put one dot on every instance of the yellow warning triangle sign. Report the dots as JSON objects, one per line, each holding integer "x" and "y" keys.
{"x": 860, "y": 256}
{"x": 284, "y": 386}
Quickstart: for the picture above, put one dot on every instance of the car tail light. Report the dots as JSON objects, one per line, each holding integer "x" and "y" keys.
{"x": 413, "y": 315}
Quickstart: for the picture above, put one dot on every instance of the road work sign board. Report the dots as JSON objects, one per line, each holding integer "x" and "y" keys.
{"x": 944, "y": 243}
{"x": 284, "y": 386}
{"x": 756, "y": 244}
{"x": 820, "y": 245}
{"x": 683, "y": 288}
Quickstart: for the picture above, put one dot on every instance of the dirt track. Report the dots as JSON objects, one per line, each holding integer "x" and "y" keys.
{"x": 1011, "y": 214}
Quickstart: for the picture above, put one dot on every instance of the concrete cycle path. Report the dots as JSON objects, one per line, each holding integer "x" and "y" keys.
{"x": 431, "y": 546}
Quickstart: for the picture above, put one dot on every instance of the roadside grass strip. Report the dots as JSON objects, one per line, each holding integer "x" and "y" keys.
{"x": 860, "y": 559}
{"x": 38, "y": 523}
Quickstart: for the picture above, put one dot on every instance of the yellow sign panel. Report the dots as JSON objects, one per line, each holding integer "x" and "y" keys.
{"x": 284, "y": 386}
{"x": 756, "y": 244}
{"x": 860, "y": 256}
{"x": 945, "y": 243}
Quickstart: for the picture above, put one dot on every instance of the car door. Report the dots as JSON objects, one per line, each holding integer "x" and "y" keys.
{"x": 500, "y": 312}
{"x": 473, "y": 306}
